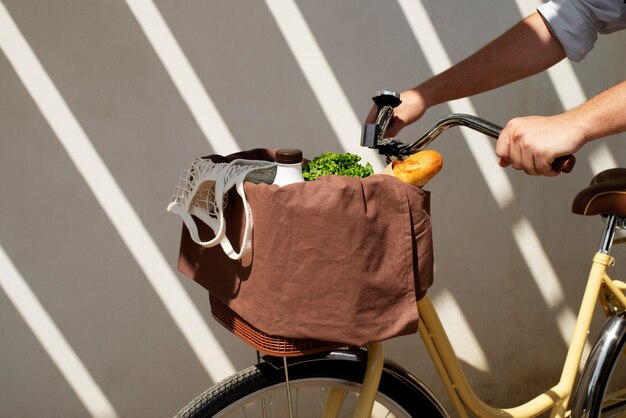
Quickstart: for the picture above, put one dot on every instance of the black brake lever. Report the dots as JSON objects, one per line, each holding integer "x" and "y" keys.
{"x": 372, "y": 133}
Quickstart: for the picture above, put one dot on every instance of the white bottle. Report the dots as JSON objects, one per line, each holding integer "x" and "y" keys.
{"x": 289, "y": 166}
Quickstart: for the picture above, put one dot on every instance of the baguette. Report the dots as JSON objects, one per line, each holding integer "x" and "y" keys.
{"x": 418, "y": 169}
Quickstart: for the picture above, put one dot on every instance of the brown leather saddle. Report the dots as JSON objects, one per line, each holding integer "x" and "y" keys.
{"x": 605, "y": 195}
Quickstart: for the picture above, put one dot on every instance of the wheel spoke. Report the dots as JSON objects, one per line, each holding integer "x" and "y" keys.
{"x": 335, "y": 402}
{"x": 264, "y": 406}
{"x": 614, "y": 404}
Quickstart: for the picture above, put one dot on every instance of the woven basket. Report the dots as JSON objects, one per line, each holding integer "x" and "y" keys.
{"x": 266, "y": 344}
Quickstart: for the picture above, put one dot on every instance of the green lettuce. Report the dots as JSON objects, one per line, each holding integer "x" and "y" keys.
{"x": 345, "y": 164}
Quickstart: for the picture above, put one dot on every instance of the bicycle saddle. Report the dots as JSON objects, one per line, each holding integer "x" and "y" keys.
{"x": 605, "y": 194}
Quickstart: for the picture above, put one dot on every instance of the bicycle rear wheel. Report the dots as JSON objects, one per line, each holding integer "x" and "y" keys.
{"x": 260, "y": 391}
{"x": 602, "y": 387}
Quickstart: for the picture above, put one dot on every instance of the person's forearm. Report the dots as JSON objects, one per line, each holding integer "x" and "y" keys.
{"x": 526, "y": 49}
{"x": 603, "y": 115}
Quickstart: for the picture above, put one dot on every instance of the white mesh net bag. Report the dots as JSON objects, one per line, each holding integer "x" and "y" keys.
{"x": 203, "y": 191}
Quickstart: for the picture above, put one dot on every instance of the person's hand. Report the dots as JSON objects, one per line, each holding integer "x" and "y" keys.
{"x": 532, "y": 143}
{"x": 411, "y": 109}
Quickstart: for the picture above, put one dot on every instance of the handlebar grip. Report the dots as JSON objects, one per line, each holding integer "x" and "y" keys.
{"x": 564, "y": 164}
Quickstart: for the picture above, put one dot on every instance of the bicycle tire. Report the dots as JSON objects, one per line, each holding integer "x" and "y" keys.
{"x": 261, "y": 388}
{"x": 602, "y": 387}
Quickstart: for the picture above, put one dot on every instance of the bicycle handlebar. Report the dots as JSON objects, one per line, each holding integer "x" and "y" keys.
{"x": 373, "y": 135}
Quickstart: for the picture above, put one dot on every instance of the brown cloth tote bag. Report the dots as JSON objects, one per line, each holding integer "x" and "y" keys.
{"x": 338, "y": 259}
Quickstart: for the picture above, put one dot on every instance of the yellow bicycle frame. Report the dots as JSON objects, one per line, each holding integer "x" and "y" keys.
{"x": 555, "y": 398}
{"x": 454, "y": 379}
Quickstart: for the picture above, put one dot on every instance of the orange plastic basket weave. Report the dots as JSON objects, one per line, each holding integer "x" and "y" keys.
{"x": 266, "y": 344}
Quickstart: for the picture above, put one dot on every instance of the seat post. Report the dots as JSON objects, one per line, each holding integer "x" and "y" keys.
{"x": 608, "y": 234}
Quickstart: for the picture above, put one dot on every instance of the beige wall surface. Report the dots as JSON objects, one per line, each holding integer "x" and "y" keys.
{"x": 104, "y": 103}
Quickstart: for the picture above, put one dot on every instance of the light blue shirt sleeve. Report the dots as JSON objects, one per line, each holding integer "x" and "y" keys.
{"x": 576, "y": 23}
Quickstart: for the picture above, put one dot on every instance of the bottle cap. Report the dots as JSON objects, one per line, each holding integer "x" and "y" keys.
{"x": 288, "y": 156}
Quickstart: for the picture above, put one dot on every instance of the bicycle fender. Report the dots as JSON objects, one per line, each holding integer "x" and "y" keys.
{"x": 603, "y": 355}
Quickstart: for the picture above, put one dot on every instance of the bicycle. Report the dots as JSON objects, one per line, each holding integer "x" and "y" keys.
{"x": 360, "y": 382}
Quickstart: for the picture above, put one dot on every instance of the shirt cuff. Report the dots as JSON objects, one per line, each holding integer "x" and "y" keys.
{"x": 575, "y": 32}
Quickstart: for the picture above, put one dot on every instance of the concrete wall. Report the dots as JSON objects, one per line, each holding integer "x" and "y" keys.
{"x": 104, "y": 103}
